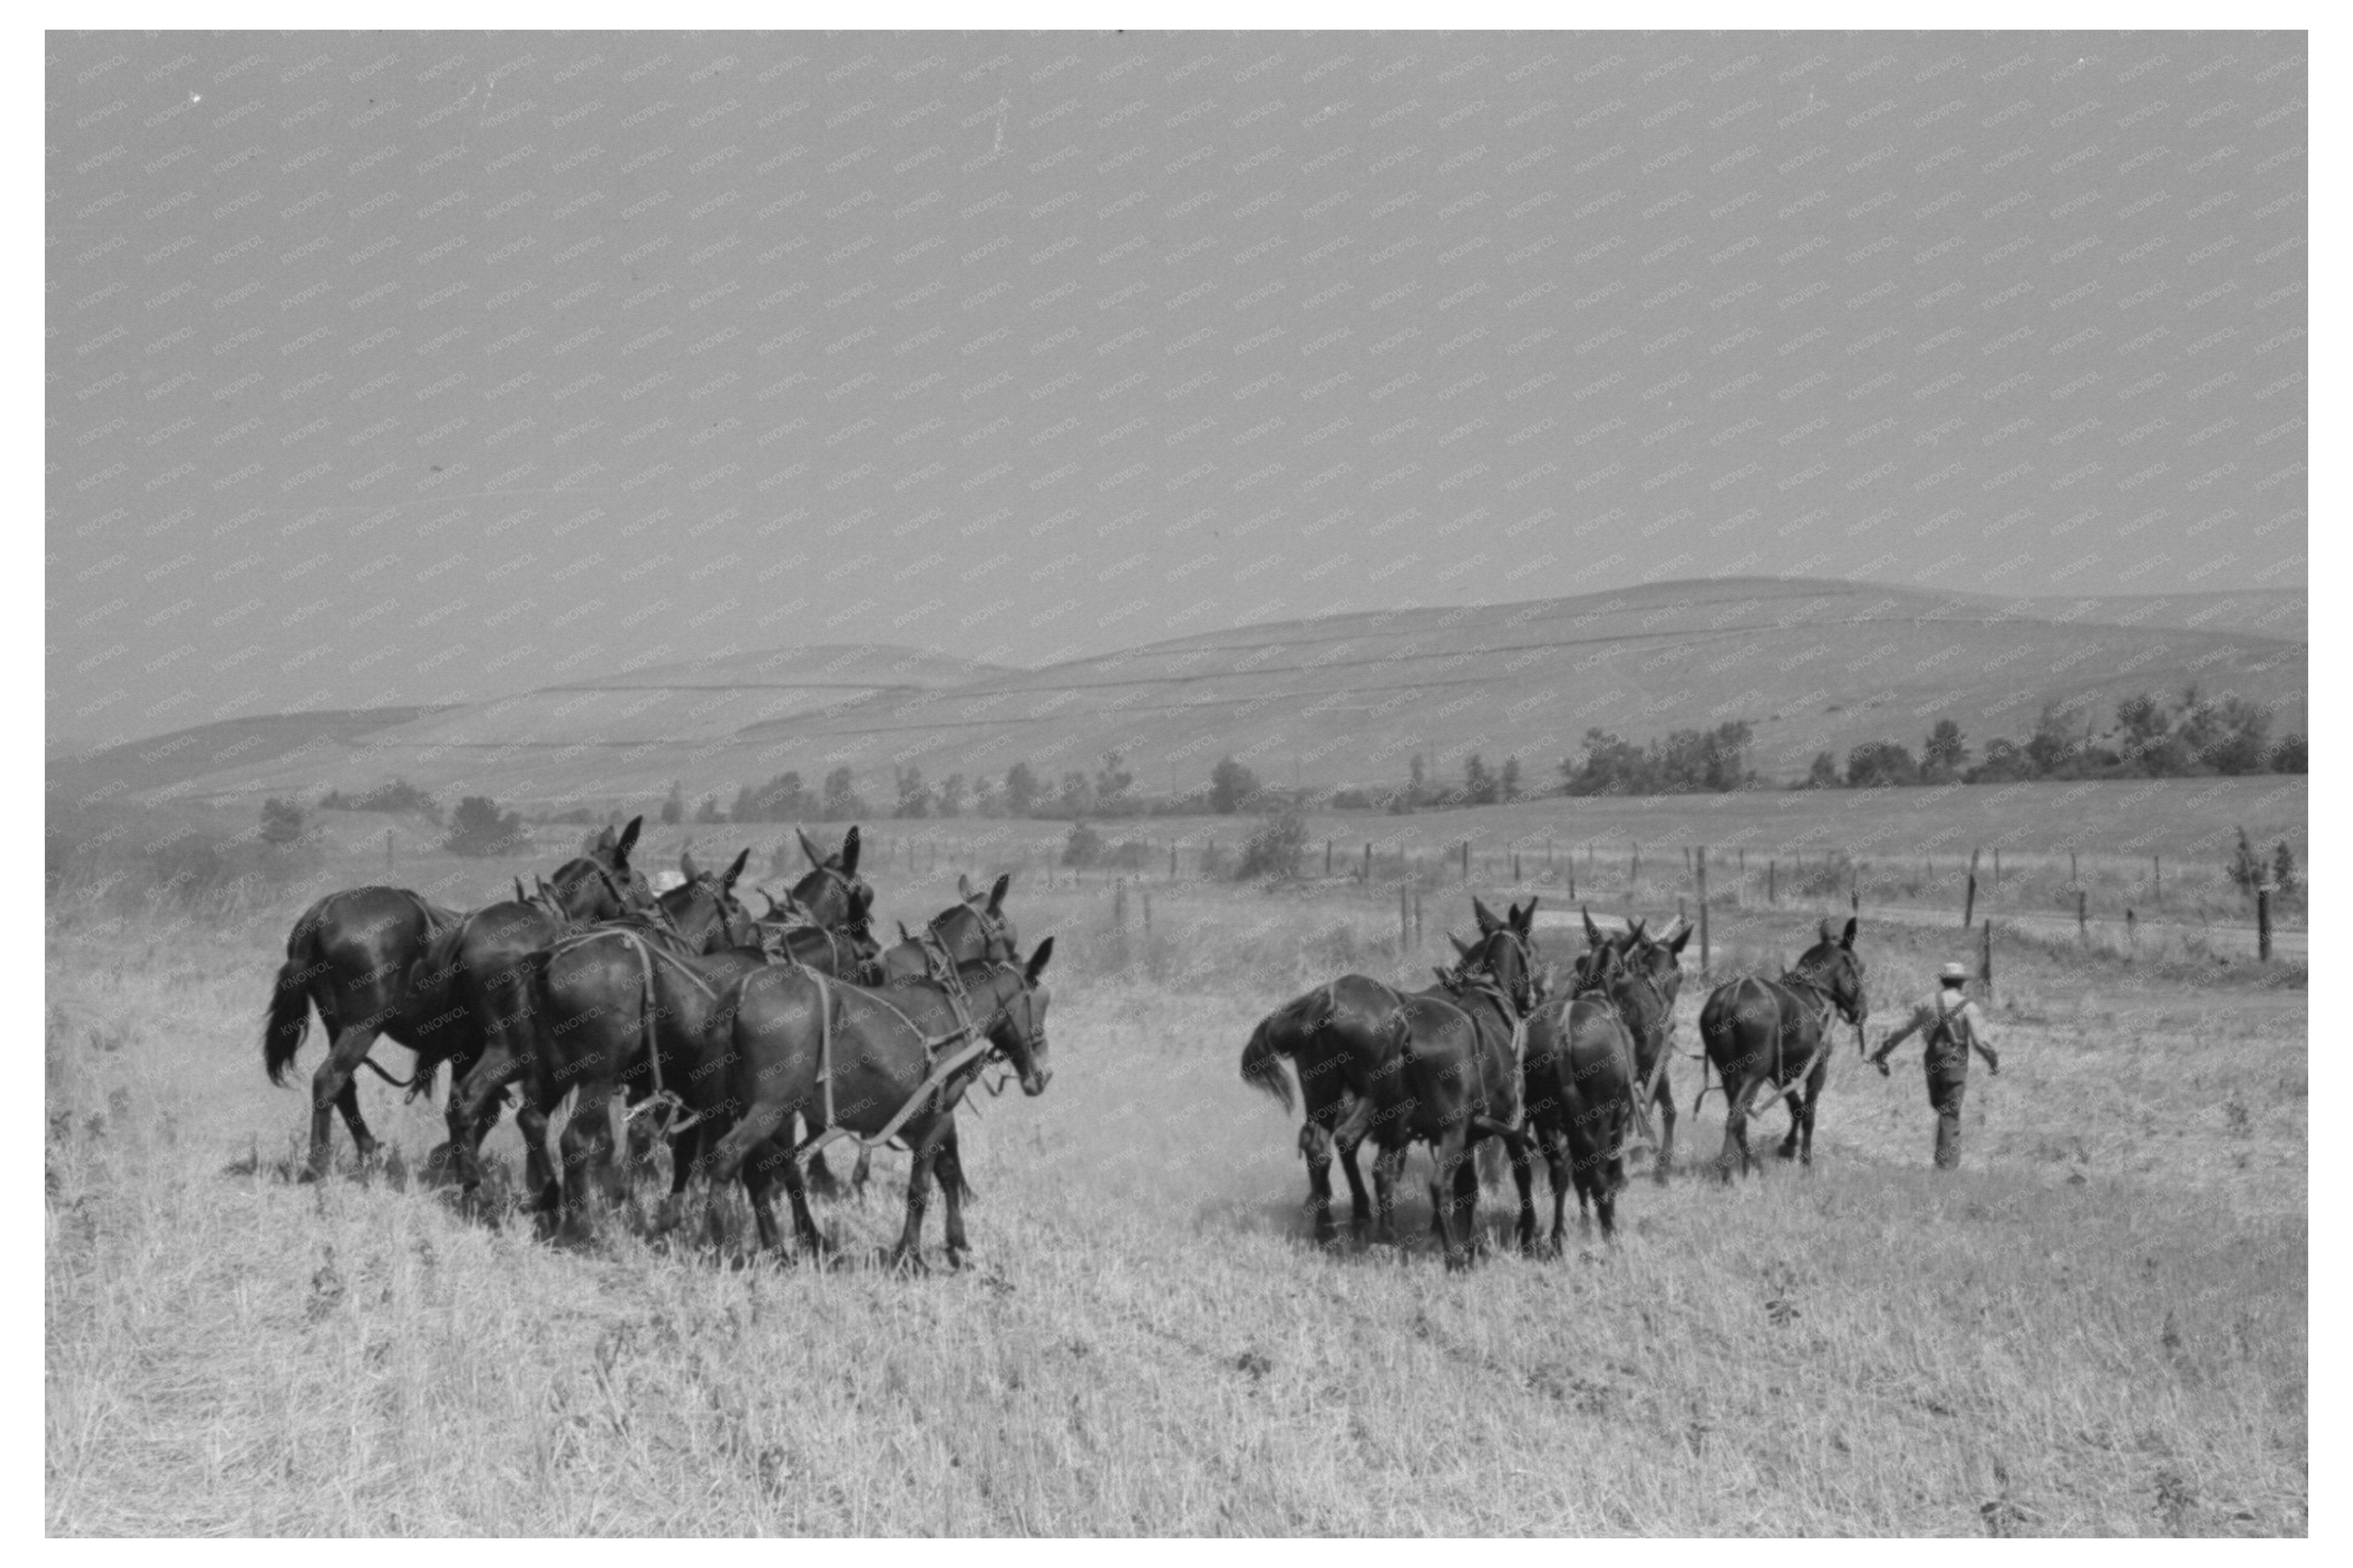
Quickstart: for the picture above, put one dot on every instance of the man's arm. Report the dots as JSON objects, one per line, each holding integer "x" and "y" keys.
{"x": 1979, "y": 1038}
{"x": 1879, "y": 1056}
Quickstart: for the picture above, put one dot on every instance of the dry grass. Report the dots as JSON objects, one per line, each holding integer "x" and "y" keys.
{"x": 2098, "y": 1328}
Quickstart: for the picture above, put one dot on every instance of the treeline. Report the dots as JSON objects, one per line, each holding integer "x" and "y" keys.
{"x": 1022, "y": 791}
{"x": 2189, "y": 737}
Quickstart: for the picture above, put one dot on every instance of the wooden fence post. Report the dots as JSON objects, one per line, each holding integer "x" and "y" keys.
{"x": 1119, "y": 904}
{"x": 1327, "y": 857}
{"x": 1772, "y": 893}
{"x": 1969, "y": 897}
{"x": 387, "y": 848}
{"x": 1146, "y": 893}
{"x": 1996, "y": 872}
{"x": 1699, "y": 861}
{"x": 1416, "y": 919}
{"x": 1985, "y": 960}
{"x": 1405, "y": 917}
{"x": 1368, "y": 864}
{"x": 2083, "y": 917}
{"x": 2157, "y": 865}
{"x": 1466, "y": 860}
{"x": 2264, "y": 923}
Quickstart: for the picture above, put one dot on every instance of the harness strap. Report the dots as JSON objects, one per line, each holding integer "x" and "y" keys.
{"x": 971, "y": 1045}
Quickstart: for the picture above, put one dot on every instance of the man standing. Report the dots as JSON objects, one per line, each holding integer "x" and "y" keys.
{"x": 1949, "y": 1025}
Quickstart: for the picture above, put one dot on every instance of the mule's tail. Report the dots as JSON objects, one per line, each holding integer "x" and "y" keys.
{"x": 289, "y": 1016}
{"x": 1262, "y": 1064}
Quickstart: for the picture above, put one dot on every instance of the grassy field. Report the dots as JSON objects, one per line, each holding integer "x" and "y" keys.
{"x": 2099, "y": 1327}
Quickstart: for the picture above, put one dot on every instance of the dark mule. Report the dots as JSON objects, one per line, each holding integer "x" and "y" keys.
{"x": 1339, "y": 1039}
{"x": 355, "y": 956}
{"x": 1461, "y": 1046}
{"x": 798, "y": 1044}
{"x": 1643, "y": 985}
{"x": 1582, "y": 1088}
{"x": 1343, "y": 1039}
{"x": 1775, "y": 1035}
{"x": 698, "y": 916}
{"x": 349, "y": 956}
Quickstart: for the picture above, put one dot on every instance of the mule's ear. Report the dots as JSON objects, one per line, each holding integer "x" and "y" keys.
{"x": 1038, "y": 961}
{"x": 686, "y": 865}
{"x": 736, "y": 870}
{"x": 774, "y": 908}
{"x": 904, "y": 934}
{"x": 810, "y": 849}
{"x": 602, "y": 841}
{"x": 1635, "y": 931}
{"x": 1826, "y": 931}
{"x": 849, "y": 851}
{"x": 1484, "y": 916}
{"x": 1525, "y": 921}
{"x": 1847, "y": 940}
{"x": 1593, "y": 937}
{"x": 519, "y": 897}
{"x": 964, "y": 887}
{"x": 996, "y": 893}
{"x": 1674, "y": 944}
{"x": 628, "y": 839}
{"x": 1460, "y": 947}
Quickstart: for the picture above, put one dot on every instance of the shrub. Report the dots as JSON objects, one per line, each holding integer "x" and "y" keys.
{"x": 480, "y": 828}
{"x": 1083, "y": 846}
{"x": 1231, "y": 785}
{"x": 1274, "y": 847}
{"x": 281, "y": 822}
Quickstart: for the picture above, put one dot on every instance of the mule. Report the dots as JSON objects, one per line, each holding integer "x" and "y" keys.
{"x": 354, "y": 957}
{"x": 487, "y": 972}
{"x": 1775, "y": 1035}
{"x": 1583, "y": 1090}
{"x": 611, "y": 1006}
{"x": 1462, "y": 1042}
{"x": 1643, "y": 985}
{"x": 840, "y": 1056}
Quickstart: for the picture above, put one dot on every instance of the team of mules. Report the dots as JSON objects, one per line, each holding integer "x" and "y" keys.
{"x": 748, "y": 1042}
{"x": 1567, "y": 1074}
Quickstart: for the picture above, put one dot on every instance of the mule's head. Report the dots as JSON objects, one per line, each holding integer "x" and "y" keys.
{"x": 1020, "y": 1028}
{"x": 705, "y": 910}
{"x": 832, "y": 891}
{"x": 1504, "y": 955}
{"x": 1661, "y": 958}
{"x": 602, "y": 884}
{"x": 1833, "y": 966}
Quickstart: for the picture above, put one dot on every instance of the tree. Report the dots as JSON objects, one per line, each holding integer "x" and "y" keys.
{"x": 2005, "y": 762}
{"x": 781, "y": 799}
{"x": 952, "y": 795}
{"x": 1511, "y": 779}
{"x": 673, "y": 806}
{"x": 2246, "y": 868}
{"x": 2242, "y": 735}
{"x": 1946, "y": 751}
{"x": 1880, "y": 764}
{"x": 1824, "y": 773}
{"x": 478, "y": 827}
{"x": 1414, "y": 779}
{"x": 1020, "y": 790}
{"x": 1275, "y": 847}
{"x": 1231, "y": 787}
{"x": 281, "y": 822}
{"x": 1077, "y": 797}
{"x": 914, "y": 799}
{"x": 1081, "y": 846}
{"x": 1111, "y": 786}
{"x": 708, "y": 810}
{"x": 1477, "y": 783}
{"x": 842, "y": 801}
{"x": 2052, "y": 746}
{"x": 2143, "y": 734}
{"x": 2283, "y": 868}
{"x": 2289, "y": 755}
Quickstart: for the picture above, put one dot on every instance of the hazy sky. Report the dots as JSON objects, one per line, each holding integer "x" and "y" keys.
{"x": 392, "y": 368}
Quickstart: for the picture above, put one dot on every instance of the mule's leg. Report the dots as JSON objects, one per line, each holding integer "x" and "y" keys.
{"x": 909, "y": 1252}
{"x": 538, "y": 1170}
{"x": 1553, "y": 1144}
{"x": 1814, "y": 1081}
{"x": 1524, "y": 1177}
{"x": 1454, "y": 1193}
{"x": 859, "y": 1171}
{"x": 820, "y": 1178}
{"x": 1388, "y": 1165}
{"x": 812, "y": 1240}
{"x": 1736, "y": 1130}
{"x": 471, "y": 1098}
{"x": 950, "y": 1171}
{"x": 1797, "y": 1107}
{"x": 1315, "y": 1146}
{"x": 1664, "y": 1098}
{"x": 1360, "y": 1208}
{"x": 331, "y": 1089}
{"x": 588, "y": 1145}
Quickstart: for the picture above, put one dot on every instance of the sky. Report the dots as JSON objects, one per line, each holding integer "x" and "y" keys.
{"x": 414, "y": 368}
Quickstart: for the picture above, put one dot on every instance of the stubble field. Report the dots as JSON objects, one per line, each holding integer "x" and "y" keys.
{"x": 2098, "y": 1327}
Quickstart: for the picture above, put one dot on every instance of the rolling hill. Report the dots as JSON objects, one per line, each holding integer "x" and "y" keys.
{"x": 1341, "y": 699}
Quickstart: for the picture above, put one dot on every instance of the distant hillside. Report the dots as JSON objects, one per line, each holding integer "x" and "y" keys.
{"x": 1345, "y": 698}
{"x": 179, "y": 760}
